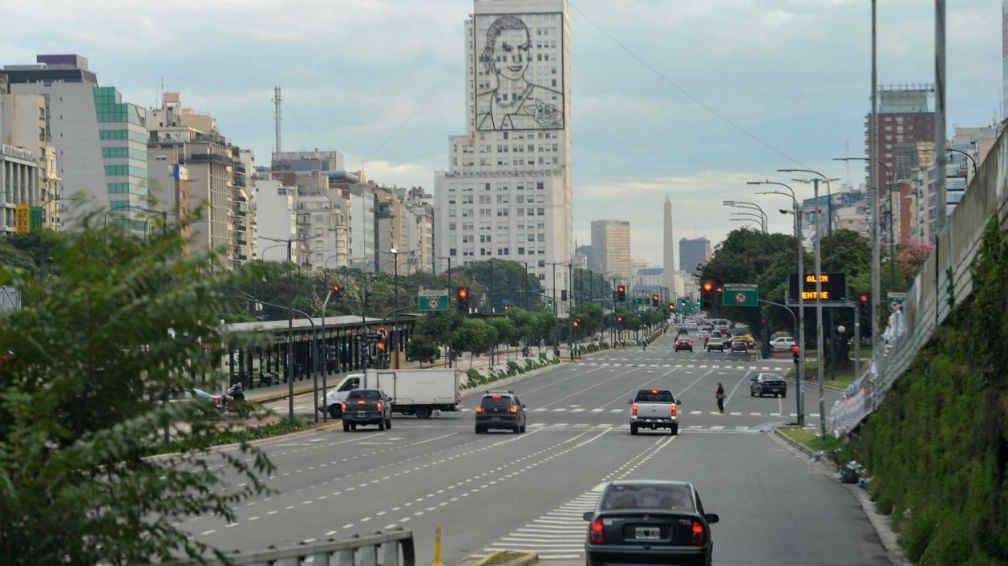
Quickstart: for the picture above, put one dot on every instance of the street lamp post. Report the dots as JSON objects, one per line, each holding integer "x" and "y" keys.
{"x": 395, "y": 306}
{"x": 290, "y": 326}
{"x": 751, "y": 207}
{"x": 800, "y": 372}
{"x": 819, "y": 312}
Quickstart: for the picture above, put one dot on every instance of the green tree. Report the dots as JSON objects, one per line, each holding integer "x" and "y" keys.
{"x": 590, "y": 316}
{"x": 118, "y": 324}
{"x": 590, "y": 287}
{"x": 422, "y": 349}
{"x": 505, "y": 282}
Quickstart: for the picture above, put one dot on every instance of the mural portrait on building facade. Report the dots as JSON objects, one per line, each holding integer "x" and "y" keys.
{"x": 519, "y": 80}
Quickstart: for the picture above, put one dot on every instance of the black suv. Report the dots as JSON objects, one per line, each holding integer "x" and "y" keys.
{"x": 366, "y": 407}
{"x": 500, "y": 410}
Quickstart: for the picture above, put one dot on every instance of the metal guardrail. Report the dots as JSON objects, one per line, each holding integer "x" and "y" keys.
{"x": 383, "y": 548}
{"x": 927, "y": 301}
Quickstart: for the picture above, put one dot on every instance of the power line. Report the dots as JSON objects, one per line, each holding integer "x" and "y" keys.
{"x": 707, "y": 107}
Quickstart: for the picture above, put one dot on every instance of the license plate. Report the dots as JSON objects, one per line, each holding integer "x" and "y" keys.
{"x": 361, "y": 413}
{"x": 647, "y": 533}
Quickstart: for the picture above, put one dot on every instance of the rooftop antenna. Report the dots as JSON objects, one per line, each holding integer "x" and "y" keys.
{"x": 277, "y": 117}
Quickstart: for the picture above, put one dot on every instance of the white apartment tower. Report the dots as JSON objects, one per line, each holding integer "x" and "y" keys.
{"x": 507, "y": 193}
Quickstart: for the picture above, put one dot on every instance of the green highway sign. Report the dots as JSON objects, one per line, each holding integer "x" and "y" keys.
{"x": 741, "y": 295}
{"x": 431, "y": 300}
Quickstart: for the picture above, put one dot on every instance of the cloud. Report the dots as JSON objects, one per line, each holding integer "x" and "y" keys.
{"x": 383, "y": 81}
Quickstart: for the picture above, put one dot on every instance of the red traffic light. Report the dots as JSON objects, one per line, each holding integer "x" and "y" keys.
{"x": 337, "y": 289}
{"x": 621, "y": 289}
{"x": 720, "y": 289}
{"x": 463, "y": 294}
{"x": 576, "y": 323}
{"x": 864, "y": 298}
{"x": 708, "y": 286}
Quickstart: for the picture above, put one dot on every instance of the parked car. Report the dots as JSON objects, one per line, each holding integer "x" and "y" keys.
{"x": 366, "y": 407}
{"x": 767, "y": 384}
{"x": 782, "y": 343}
{"x": 649, "y": 521}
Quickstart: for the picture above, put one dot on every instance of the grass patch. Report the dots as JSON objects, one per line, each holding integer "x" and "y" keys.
{"x": 809, "y": 438}
{"x": 236, "y": 435}
{"x": 502, "y": 557}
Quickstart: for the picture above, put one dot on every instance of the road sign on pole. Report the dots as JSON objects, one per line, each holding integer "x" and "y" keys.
{"x": 431, "y": 300}
{"x": 741, "y": 295}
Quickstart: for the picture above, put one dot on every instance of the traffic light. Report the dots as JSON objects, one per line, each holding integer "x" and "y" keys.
{"x": 619, "y": 319}
{"x": 576, "y": 323}
{"x": 864, "y": 299}
{"x": 563, "y": 294}
{"x": 462, "y": 297}
{"x": 655, "y": 300}
{"x": 708, "y": 286}
{"x": 796, "y": 353}
{"x": 671, "y": 307}
{"x": 337, "y": 291}
{"x": 507, "y": 307}
{"x": 708, "y": 291}
{"x": 380, "y": 346}
{"x": 621, "y": 293}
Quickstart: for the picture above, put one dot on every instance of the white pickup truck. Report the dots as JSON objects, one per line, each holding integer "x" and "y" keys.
{"x": 417, "y": 392}
{"x": 654, "y": 409}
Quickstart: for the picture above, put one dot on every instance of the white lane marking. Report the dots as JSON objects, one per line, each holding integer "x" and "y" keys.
{"x": 348, "y": 526}
{"x": 755, "y": 414}
{"x": 230, "y": 525}
{"x": 254, "y": 518}
{"x": 208, "y": 532}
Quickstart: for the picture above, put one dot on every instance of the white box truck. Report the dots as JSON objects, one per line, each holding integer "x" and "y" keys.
{"x": 417, "y": 392}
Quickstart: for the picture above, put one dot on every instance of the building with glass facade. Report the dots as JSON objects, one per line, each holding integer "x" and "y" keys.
{"x": 100, "y": 141}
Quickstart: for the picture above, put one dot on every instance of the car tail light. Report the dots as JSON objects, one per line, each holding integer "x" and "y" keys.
{"x": 379, "y": 405}
{"x": 697, "y": 532}
{"x": 513, "y": 409}
{"x": 633, "y": 410}
{"x": 342, "y": 406}
{"x": 596, "y": 534}
{"x": 674, "y": 410}
{"x": 479, "y": 410}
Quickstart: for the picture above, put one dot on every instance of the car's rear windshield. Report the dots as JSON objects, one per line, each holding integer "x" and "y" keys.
{"x": 496, "y": 402}
{"x": 771, "y": 377}
{"x": 648, "y": 496}
{"x": 366, "y": 394}
{"x": 655, "y": 397}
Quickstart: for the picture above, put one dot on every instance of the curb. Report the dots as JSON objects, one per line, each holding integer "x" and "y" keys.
{"x": 883, "y": 527}
{"x": 278, "y": 395}
{"x": 321, "y": 427}
{"x": 527, "y": 558}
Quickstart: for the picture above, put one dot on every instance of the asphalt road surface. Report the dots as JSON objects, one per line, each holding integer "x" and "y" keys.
{"x": 528, "y": 491}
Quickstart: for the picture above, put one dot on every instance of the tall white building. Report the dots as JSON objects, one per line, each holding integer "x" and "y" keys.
{"x": 507, "y": 193}
{"x": 276, "y": 220}
{"x": 1004, "y": 60}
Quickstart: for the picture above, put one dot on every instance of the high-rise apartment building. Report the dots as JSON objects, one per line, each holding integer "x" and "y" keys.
{"x": 182, "y": 141}
{"x": 610, "y": 242}
{"x": 693, "y": 254}
{"x": 507, "y": 193}
{"x": 100, "y": 141}
{"x": 419, "y": 231}
{"x": 904, "y": 116}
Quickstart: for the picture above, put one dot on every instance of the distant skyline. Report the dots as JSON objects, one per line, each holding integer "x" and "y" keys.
{"x": 636, "y": 137}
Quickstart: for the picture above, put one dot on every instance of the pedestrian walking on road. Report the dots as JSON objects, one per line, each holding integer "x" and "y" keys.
{"x": 719, "y": 395}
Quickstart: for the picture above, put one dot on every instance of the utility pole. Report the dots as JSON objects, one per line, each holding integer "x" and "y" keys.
{"x": 820, "y": 358}
{"x": 290, "y": 337}
{"x": 876, "y": 282}
{"x": 940, "y": 154}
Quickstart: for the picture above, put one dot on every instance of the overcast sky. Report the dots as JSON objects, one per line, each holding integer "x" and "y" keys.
{"x": 695, "y": 98}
